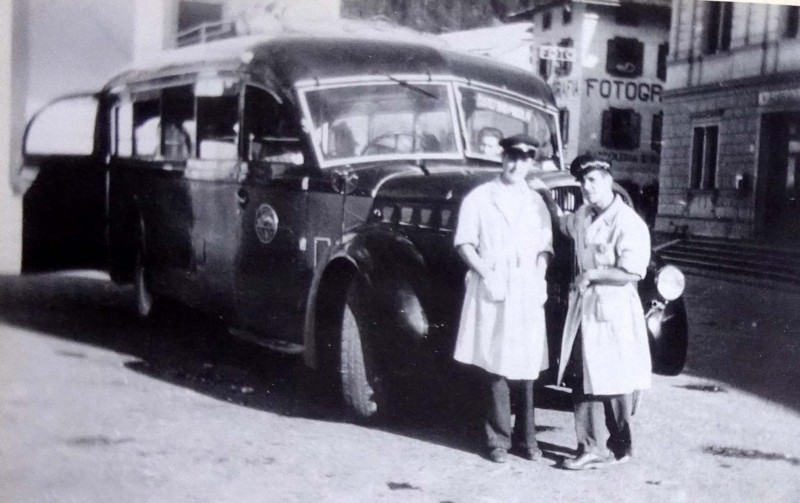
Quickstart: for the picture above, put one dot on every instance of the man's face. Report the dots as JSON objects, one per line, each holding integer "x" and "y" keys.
{"x": 597, "y": 186}
{"x": 490, "y": 145}
{"x": 516, "y": 165}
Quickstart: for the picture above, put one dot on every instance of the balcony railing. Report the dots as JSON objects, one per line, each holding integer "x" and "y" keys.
{"x": 206, "y": 32}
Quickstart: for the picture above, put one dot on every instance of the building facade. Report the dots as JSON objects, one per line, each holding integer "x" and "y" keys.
{"x": 610, "y": 90}
{"x": 606, "y": 64}
{"x": 167, "y": 24}
{"x": 729, "y": 165}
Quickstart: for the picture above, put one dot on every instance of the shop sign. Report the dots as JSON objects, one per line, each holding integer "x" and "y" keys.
{"x": 557, "y": 53}
{"x": 781, "y": 97}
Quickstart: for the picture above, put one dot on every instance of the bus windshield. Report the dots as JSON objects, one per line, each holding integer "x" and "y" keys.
{"x": 490, "y": 116}
{"x": 376, "y": 121}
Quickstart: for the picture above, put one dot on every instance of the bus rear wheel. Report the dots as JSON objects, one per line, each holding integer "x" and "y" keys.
{"x": 146, "y": 300}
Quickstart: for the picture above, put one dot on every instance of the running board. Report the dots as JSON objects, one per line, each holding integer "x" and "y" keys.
{"x": 278, "y": 345}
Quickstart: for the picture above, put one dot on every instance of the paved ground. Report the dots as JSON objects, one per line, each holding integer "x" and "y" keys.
{"x": 97, "y": 406}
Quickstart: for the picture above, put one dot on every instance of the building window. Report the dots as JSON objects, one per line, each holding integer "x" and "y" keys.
{"x": 792, "y": 17}
{"x": 719, "y": 16}
{"x": 704, "y": 157}
{"x": 624, "y": 57}
{"x": 193, "y": 13}
{"x": 547, "y": 20}
{"x": 655, "y": 132}
{"x": 563, "y": 121}
{"x": 661, "y": 67}
{"x": 563, "y": 67}
{"x": 566, "y": 15}
{"x": 621, "y": 128}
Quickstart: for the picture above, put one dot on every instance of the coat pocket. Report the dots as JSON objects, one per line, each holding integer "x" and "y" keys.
{"x": 610, "y": 303}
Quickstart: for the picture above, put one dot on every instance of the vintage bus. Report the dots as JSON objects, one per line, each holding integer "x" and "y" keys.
{"x": 304, "y": 189}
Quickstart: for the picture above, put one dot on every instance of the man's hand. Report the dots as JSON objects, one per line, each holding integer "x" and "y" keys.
{"x": 606, "y": 276}
{"x": 583, "y": 281}
{"x": 496, "y": 287}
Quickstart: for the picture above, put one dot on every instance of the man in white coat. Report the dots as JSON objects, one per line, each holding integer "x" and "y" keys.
{"x": 504, "y": 235}
{"x": 605, "y": 336}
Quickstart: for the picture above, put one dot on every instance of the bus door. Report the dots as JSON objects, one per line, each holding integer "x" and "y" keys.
{"x": 272, "y": 276}
{"x": 175, "y": 181}
{"x": 152, "y": 139}
{"x": 64, "y": 206}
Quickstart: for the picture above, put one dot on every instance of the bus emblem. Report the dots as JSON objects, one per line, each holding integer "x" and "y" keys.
{"x": 266, "y": 223}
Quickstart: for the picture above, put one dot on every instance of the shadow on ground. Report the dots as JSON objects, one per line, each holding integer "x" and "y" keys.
{"x": 744, "y": 336}
{"x": 191, "y": 350}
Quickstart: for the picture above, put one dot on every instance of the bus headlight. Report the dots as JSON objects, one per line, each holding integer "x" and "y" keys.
{"x": 670, "y": 282}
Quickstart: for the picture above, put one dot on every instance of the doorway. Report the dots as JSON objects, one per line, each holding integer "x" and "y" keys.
{"x": 779, "y": 170}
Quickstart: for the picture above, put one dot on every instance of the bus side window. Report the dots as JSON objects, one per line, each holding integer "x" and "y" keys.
{"x": 270, "y": 133}
{"x": 177, "y": 123}
{"x": 146, "y": 127}
{"x": 218, "y": 127}
{"x": 122, "y": 129}
{"x": 65, "y": 127}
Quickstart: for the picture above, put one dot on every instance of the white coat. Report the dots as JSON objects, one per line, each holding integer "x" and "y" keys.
{"x": 616, "y": 352}
{"x": 507, "y": 337}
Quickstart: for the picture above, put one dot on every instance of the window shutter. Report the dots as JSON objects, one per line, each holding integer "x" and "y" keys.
{"x": 655, "y": 134}
{"x": 638, "y": 58}
{"x": 606, "y": 136}
{"x": 611, "y": 56}
{"x": 727, "y": 19}
{"x": 635, "y": 130}
{"x": 543, "y": 63}
{"x": 661, "y": 67}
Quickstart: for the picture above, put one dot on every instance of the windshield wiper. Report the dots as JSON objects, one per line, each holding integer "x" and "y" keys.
{"x": 418, "y": 89}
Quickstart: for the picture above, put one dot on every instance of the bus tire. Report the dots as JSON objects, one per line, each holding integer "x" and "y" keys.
{"x": 359, "y": 381}
{"x": 146, "y": 301}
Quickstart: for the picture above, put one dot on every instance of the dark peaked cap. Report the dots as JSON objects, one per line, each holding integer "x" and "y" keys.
{"x": 520, "y": 142}
{"x": 586, "y": 163}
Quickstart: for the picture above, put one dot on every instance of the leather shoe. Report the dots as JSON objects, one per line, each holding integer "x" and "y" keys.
{"x": 621, "y": 459}
{"x": 498, "y": 455}
{"x": 532, "y": 454}
{"x": 586, "y": 461}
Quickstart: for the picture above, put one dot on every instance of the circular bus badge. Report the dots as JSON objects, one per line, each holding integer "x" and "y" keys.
{"x": 266, "y": 223}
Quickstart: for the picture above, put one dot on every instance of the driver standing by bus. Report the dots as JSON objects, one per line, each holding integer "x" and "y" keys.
{"x": 504, "y": 235}
{"x": 604, "y": 343}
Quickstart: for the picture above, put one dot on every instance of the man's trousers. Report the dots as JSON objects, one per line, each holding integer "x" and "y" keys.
{"x": 501, "y": 391}
{"x": 592, "y": 411}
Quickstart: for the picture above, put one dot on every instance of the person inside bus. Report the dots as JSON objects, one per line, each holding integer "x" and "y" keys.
{"x": 177, "y": 143}
{"x": 489, "y": 142}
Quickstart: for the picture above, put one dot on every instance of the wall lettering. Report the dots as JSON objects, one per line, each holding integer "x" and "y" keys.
{"x": 616, "y": 156}
{"x": 564, "y": 88}
{"x": 621, "y": 89}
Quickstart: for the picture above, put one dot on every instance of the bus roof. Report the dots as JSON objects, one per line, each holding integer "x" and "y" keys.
{"x": 290, "y": 58}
